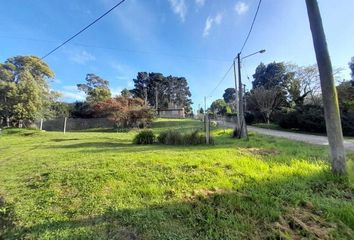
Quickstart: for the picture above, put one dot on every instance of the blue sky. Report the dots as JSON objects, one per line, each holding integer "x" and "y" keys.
{"x": 196, "y": 39}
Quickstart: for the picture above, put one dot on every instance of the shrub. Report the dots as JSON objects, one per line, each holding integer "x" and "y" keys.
{"x": 144, "y": 137}
{"x": 311, "y": 119}
{"x": 348, "y": 123}
{"x": 287, "y": 120}
{"x": 170, "y": 137}
{"x": 249, "y": 118}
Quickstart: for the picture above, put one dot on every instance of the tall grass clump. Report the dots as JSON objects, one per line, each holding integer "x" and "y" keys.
{"x": 173, "y": 137}
{"x": 145, "y": 137}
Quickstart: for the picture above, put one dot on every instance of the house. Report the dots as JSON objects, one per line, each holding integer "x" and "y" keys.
{"x": 172, "y": 111}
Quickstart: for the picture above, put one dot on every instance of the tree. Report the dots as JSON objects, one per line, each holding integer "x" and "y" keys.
{"x": 346, "y": 96}
{"x": 330, "y": 101}
{"x": 305, "y": 86}
{"x": 124, "y": 111}
{"x": 351, "y": 66}
{"x": 271, "y": 75}
{"x": 230, "y": 97}
{"x": 95, "y": 88}
{"x": 306, "y": 82}
{"x": 266, "y": 100}
{"x": 126, "y": 93}
{"x": 219, "y": 107}
{"x": 160, "y": 91}
{"x": 24, "y": 88}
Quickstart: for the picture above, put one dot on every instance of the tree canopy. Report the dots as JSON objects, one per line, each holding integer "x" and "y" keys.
{"x": 220, "y": 107}
{"x": 351, "y": 66}
{"x": 95, "y": 88}
{"x": 229, "y": 95}
{"x": 24, "y": 88}
{"x": 271, "y": 75}
{"x": 160, "y": 91}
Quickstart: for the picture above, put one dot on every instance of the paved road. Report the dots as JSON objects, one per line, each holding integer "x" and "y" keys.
{"x": 308, "y": 138}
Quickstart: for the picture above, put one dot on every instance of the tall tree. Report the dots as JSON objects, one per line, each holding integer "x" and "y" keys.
{"x": 24, "y": 88}
{"x": 271, "y": 75}
{"x": 351, "y": 66}
{"x": 160, "y": 91}
{"x": 95, "y": 88}
{"x": 229, "y": 95}
{"x": 220, "y": 107}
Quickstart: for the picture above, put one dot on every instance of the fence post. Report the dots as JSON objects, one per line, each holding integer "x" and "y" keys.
{"x": 41, "y": 125}
{"x": 65, "y": 119}
{"x": 207, "y": 129}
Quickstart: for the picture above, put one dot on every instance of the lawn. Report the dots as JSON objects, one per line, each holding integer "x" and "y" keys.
{"x": 98, "y": 185}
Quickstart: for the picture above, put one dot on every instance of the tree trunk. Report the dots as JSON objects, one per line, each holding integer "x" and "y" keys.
{"x": 329, "y": 94}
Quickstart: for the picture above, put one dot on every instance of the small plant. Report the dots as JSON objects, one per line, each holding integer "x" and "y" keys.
{"x": 144, "y": 137}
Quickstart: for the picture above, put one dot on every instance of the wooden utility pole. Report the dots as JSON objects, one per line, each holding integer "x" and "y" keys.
{"x": 329, "y": 93}
{"x": 243, "y": 126}
{"x": 65, "y": 119}
{"x": 236, "y": 104}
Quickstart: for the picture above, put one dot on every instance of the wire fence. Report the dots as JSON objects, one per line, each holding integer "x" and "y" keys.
{"x": 74, "y": 124}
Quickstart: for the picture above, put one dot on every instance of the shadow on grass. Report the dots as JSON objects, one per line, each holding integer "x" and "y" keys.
{"x": 297, "y": 206}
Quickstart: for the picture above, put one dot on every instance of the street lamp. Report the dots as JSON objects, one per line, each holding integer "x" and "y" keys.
{"x": 241, "y": 127}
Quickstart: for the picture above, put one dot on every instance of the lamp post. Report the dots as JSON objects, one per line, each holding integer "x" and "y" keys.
{"x": 242, "y": 127}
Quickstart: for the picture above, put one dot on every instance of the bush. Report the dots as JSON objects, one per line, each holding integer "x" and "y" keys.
{"x": 173, "y": 137}
{"x": 145, "y": 137}
{"x": 348, "y": 123}
{"x": 287, "y": 120}
{"x": 311, "y": 119}
{"x": 170, "y": 137}
{"x": 249, "y": 118}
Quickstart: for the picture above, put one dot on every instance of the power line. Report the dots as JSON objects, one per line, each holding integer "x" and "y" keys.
{"x": 221, "y": 80}
{"x": 82, "y": 30}
{"x": 254, "y": 20}
{"x": 243, "y": 46}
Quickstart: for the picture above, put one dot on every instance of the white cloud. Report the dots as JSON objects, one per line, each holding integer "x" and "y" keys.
{"x": 241, "y": 8}
{"x": 71, "y": 93}
{"x": 179, "y": 7}
{"x": 70, "y": 88}
{"x": 81, "y": 57}
{"x": 210, "y": 22}
{"x": 200, "y": 3}
{"x": 116, "y": 91}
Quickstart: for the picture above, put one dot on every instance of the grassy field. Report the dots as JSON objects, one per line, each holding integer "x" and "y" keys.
{"x": 98, "y": 185}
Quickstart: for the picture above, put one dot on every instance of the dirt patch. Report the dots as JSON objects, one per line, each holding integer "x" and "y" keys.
{"x": 262, "y": 152}
{"x": 208, "y": 192}
{"x": 303, "y": 223}
{"x": 123, "y": 233}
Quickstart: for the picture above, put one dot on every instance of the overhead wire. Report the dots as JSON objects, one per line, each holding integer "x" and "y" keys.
{"x": 221, "y": 80}
{"x": 82, "y": 30}
{"x": 243, "y": 45}
{"x": 252, "y": 25}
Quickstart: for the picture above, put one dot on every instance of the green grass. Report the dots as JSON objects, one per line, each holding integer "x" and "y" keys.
{"x": 98, "y": 185}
